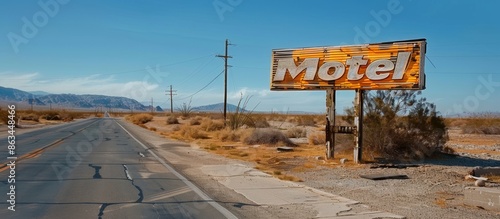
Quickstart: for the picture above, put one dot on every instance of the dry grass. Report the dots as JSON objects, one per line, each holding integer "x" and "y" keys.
{"x": 242, "y": 144}
{"x": 138, "y": 119}
{"x": 210, "y": 125}
{"x": 30, "y": 117}
{"x": 296, "y": 132}
{"x": 192, "y": 132}
{"x": 172, "y": 120}
{"x": 260, "y": 121}
{"x": 485, "y": 123}
{"x": 316, "y": 138}
{"x": 268, "y": 136}
{"x": 195, "y": 121}
{"x": 4, "y": 116}
{"x": 228, "y": 135}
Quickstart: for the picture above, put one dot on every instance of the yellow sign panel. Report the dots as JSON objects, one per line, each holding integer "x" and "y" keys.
{"x": 382, "y": 66}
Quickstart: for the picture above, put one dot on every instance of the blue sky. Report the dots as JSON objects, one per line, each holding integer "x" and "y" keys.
{"x": 137, "y": 49}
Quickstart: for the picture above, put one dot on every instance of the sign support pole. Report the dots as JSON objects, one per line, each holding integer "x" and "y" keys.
{"x": 330, "y": 123}
{"x": 358, "y": 122}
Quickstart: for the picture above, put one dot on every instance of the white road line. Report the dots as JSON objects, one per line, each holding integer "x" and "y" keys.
{"x": 195, "y": 189}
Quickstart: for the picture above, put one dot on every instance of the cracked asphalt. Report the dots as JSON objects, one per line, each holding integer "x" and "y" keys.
{"x": 98, "y": 170}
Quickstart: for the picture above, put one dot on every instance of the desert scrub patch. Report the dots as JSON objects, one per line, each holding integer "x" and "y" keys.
{"x": 296, "y": 132}
{"x": 195, "y": 121}
{"x": 487, "y": 124}
{"x": 30, "y": 117}
{"x": 316, "y": 138}
{"x": 192, "y": 132}
{"x": 306, "y": 120}
{"x": 142, "y": 118}
{"x": 211, "y": 125}
{"x": 172, "y": 120}
{"x": 268, "y": 136}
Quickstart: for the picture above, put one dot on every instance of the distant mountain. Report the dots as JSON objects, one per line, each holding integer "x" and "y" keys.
{"x": 11, "y": 94}
{"x": 218, "y": 107}
{"x": 39, "y": 93}
{"x": 158, "y": 109}
{"x": 70, "y": 100}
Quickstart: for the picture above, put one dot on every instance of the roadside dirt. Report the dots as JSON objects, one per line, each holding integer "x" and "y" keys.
{"x": 434, "y": 189}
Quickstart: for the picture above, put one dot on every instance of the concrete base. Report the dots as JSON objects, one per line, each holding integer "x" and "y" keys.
{"x": 487, "y": 198}
{"x": 263, "y": 189}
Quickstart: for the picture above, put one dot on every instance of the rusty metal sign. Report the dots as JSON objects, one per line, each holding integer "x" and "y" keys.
{"x": 397, "y": 65}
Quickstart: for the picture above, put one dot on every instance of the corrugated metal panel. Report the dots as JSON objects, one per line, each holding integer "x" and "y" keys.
{"x": 295, "y": 74}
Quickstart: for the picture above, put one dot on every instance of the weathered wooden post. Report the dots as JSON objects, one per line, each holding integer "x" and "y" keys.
{"x": 358, "y": 122}
{"x": 330, "y": 129}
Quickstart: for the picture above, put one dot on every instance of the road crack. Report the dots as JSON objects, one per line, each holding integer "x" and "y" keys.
{"x": 140, "y": 194}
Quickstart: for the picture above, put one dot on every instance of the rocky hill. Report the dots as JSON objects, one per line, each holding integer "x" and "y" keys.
{"x": 69, "y": 100}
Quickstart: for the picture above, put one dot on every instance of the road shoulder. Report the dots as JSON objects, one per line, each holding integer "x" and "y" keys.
{"x": 247, "y": 192}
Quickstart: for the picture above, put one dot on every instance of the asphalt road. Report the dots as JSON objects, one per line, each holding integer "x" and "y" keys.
{"x": 96, "y": 169}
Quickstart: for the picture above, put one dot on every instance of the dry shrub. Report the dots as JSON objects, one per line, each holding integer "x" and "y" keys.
{"x": 260, "y": 121}
{"x": 216, "y": 116}
{"x": 142, "y": 118}
{"x": 306, "y": 120}
{"x": 228, "y": 135}
{"x": 487, "y": 124}
{"x": 191, "y": 132}
{"x": 211, "y": 125}
{"x": 292, "y": 119}
{"x": 185, "y": 109}
{"x": 51, "y": 115}
{"x": 69, "y": 116}
{"x": 268, "y": 136}
{"x": 317, "y": 138}
{"x": 233, "y": 135}
{"x": 172, "y": 120}
{"x": 4, "y": 116}
{"x": 176, "y": 128}
{"x": 195, "y": 121}
{"x": 296, "y": 132}
{"x": 29, "y": 117}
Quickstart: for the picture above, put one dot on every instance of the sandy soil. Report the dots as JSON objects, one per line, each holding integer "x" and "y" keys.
{"x": 434, "y": 189}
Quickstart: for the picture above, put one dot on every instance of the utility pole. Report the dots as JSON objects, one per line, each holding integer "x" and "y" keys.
{"x": 171, "y": 93}
{"x": 225, "y": 56}
{"x": 152, "y": 106}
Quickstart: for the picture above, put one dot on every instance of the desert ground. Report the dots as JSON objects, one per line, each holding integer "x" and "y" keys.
{"x": 433, "y": 188}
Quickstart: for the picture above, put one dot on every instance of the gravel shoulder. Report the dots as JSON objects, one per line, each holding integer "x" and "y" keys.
{"x": 434, "y": 189}
{"x": 189, "y": 160}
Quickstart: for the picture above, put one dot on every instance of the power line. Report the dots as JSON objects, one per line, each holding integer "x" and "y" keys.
{"x": 204, "y": 86}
